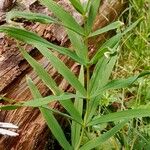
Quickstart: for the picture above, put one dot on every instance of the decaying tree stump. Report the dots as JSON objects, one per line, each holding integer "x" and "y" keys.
{"x": 33, "y": 131}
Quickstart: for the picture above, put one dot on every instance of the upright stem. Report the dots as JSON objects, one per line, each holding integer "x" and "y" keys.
{"x": 88, "y": 96}
{"x": 87, "y": 107}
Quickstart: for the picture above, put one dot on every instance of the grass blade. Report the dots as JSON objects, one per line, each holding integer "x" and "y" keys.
{"x": 67, "y": 104}
{"x": 104, "y": 137}
{"x": 78, "y": 103}
{"x": 64, "y": 16}
{"x": 50, "y": 119}
{"x": 36, "y": 17}
{"x": 63, "y": 70}
{"x": 33, "y": 39}
{"x": 107, "y": 28}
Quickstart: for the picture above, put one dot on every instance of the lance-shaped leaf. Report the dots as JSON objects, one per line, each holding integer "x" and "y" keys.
{"x": 47, "y": 79}
{"x": 37, "y": 17}
{"x": 112, "y": 42}
{"x": 99, "y": 79}
{"x": 78, "y": 103}
{"x": 77, "y": 5}
{"x": 102, "y": 138}
{"x": 33, "y": 39}
{"x": 117, "y": 116}
{"x": 120, "y": 83}
{"x": 64, "y": 16}
{"x": 92, "y": 15}
{"x": 107, "y": 28}
{"x": 46, "y": 100}
{"x": 50, "y": 119}
{"x": 114, "y": 84}
{"x": 109, "y": 44}
{"x": 62, "y": 69}
{"x": 78, "y": 45}
{"x": 132, "y": 26}
{"x": 102, "y": 73}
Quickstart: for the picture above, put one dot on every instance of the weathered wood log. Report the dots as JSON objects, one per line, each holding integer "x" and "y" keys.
{"x": 33, "y": 131}
{"x": 6, "y": 4}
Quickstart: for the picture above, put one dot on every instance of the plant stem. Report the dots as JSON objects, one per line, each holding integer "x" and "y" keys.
{"x": 87, "y": 86}
{"x": 87, "y": 108}
{"x": 80, "y": 140}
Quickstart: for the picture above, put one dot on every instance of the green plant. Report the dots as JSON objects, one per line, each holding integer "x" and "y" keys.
{"x": 89, "y": 88}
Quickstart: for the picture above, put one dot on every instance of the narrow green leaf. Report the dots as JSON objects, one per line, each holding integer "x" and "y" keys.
{"x": 120, "y": 83}
{"x": 78, "y": 103}
{"x": 117, "y": 116}
{"x": 107, "y": 28}
{"x": 77, "y": 5}
{"x": 63, "y": 69}
{"x": 78, "y": 45}
{"x": 37, "y": 17}
{"x": 92, "y": 15}
{"x": 102, "y": 138}
{"x": 98, "y": 74}
{"x": 86, "y": 5}
{"x": 55, "y": 129}
{"x": 114, "y": 84}
{"x": 48, "y": 99}
{"x": 33, "y": 39}
{"x": 102, "y": 73}
{"x": 112, "y": 42}
{"x": 59, "y": 113}
{"x": 109, "y": 44}
{"x": 99, "y": 79}
{"x": 132, "y": 26}
{"x": 9, "y": 107}
{"x": 50, "y": 119}
{"x": 64, "y": 16}
{"x": 42, "y": 73}
{"x": 67, "y": 104}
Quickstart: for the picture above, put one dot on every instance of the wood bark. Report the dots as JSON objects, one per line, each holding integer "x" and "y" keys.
{"x": 33, "y": 131}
